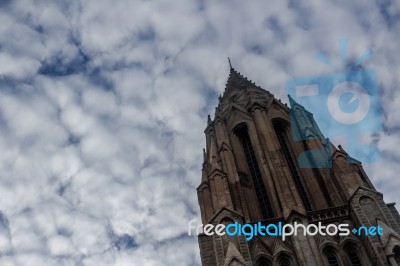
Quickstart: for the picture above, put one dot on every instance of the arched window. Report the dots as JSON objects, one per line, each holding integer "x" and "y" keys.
{"x": 396, "y": 252}
{"x": 261, "y": 193}
{"x": 281, "y": 134}
{"x": 331, "y": 257}
{"x": 263, "y": 262}
{"x": 284, "y": 260}
{"x": 353, "y": 256}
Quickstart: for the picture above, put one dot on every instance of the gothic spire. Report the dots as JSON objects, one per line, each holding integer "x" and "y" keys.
{"x": 293, "y": 103}
{"x": 236, "y": 80}
{"x": 303, "y": 122}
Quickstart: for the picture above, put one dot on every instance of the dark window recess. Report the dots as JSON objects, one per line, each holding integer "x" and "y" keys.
{"x": 396, "y": 251}
{"x": 262, "y": 197}
{"x": 264, "y": 262}
{"x": 285, "y": 261}
{"x": 332, "y": 260}
{"x": 355, "y": 260}
{"x": 282, "y": 141}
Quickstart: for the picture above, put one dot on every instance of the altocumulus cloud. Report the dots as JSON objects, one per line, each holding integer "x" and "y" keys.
{"x": 103, "y": 105}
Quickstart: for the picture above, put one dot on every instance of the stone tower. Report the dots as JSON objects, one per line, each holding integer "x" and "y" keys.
{"x": 251, "y": 173}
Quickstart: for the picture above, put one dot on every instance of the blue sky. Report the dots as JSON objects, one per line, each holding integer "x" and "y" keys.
{"x": 103, "y": 106}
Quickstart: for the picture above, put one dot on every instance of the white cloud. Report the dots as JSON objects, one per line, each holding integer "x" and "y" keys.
{"x": 17, "y": 67}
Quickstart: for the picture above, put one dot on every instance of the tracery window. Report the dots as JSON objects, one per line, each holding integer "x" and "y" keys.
{"x": 264, "y": 262}
{"x": 261, "y": 193}
{"x": 331, "y": 257}
{"x": 284, "y": 260}
{"x": 353, "y": 256}
{"x": 280, "y": 132}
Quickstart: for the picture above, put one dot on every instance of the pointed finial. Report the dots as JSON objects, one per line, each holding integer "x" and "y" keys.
{"x": 292, "y": 101}
{"x": 230, "y": 65}
{"x": 209, "y": 119}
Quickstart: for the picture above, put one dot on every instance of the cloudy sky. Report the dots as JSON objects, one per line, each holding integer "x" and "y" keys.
{"x": 103, "y": 106}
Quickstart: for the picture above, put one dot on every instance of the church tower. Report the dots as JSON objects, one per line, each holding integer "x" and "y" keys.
{"x": 251, "y": 173}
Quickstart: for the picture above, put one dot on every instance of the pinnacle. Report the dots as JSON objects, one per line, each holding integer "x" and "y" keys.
{"x": 237, "y": 80}
{"x": 292, "y": 102}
